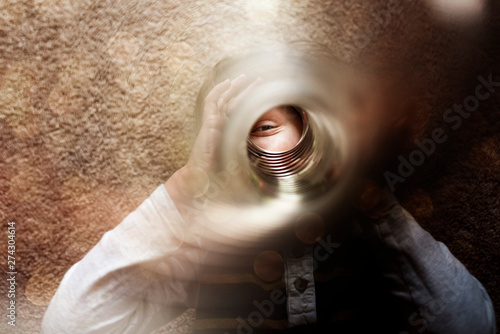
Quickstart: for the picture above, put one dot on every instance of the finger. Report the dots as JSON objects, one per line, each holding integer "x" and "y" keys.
{"x": 235, "y": 101}
{"x": 226, "y": 97}
{"x": 213, "y": 96}
{"x": 216, "y": 92}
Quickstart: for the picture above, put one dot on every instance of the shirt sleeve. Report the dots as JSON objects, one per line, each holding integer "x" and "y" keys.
{"x": 422, "y": 272}
{"x": 140, "y": 275}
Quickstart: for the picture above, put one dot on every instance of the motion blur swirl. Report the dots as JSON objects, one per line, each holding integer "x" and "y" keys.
{"x": 272, "y": 188}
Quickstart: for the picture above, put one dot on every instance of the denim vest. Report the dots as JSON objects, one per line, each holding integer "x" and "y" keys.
{"x": 327, "y": 286}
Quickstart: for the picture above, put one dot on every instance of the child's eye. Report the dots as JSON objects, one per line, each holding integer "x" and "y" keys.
{"x": 263, "y": 128}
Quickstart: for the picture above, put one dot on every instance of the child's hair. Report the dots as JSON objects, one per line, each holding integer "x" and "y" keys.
{"x": 231, "y": 67}
{"x": 217, "y": 72}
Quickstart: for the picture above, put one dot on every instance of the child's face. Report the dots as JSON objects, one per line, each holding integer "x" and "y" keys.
{"x": 279, "y": 129}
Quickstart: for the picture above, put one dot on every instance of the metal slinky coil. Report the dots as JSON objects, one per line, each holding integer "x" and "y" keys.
{"x": 272, "y": 188}
{"x": 285, "y": 171}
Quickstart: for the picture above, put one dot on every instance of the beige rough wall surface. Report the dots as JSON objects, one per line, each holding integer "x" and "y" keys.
{"x": 96, "y": 110}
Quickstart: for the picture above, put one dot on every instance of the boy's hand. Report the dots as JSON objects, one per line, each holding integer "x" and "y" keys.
{"x": 191, "y": 181}
{"x": 218, "y": 106}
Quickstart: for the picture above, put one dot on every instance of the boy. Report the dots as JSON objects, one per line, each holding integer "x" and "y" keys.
{"x": 148, "y": 270}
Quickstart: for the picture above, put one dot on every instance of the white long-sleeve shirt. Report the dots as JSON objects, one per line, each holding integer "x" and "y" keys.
{"x": 139, "y": 276}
